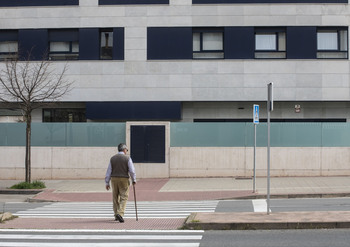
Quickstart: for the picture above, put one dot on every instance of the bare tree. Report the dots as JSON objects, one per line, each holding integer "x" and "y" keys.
{"x": 30, "y": 85}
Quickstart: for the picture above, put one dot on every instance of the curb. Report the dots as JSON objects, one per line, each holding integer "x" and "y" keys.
{"x": 20, "y": 191}
{"x": 33, "y": 200}
{"x": 261, "y": 221}
{"x": 292, "y": 196}
{"x": 57, "y": 198}
{"x": 266, "y": 226}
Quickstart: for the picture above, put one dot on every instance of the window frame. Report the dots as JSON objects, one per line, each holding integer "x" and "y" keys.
{"x": 337, "y": 53}
{"x": 220, "y": 53}
{"x": 106, "y": 30}
{"x": 72, "y": 43}
{"x": 59, "y": 115}
{"x": 8, "y": 55}
{"x": 277, "y": 53}
{"x": 9, "y": 36}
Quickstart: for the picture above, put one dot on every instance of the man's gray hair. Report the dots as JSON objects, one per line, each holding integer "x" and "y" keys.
{"x": 121, "y": 147}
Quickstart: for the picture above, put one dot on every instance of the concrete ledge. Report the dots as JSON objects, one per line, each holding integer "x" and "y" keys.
{"x": 262, "y": 221}
{"x": 6, "y": 216}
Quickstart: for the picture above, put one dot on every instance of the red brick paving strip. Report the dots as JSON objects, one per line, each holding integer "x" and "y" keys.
{"x": 146, "y": 190}
{"x": 110, "y": 223}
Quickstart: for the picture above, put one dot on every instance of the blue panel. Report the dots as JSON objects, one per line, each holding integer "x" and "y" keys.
{"x": 182, "y": 134}
{"x": 64, "y": 134}
{"x": 89, "y": 44}
{"x": 49, "y": 134}
{"x": 12, "y": 134}
{"x": 286, "y": 134}
{"x": 266, "y": 1}
{"x": 207, "y": 134}
{"x": 95, "y": 134}
{"x": 296, "y": 134}
{"x": 33, "y": 42}
{"x": 127, "y": 2}
{"x": 301, "y": 43}
{"x": 242, "y": 135}
{"x": 8, "y": 35}
{"x": 16, "y": 136}
{"x": 336, "y": 135}
{"x": 3, "y": 134}
{"x": 239, "y": 42}
{"x": 64, "y": 35}
{"x": 261, "y": 135}
{"x": 118, "y": 43}
{"x": 20, "y": 3}
{"x": 169, "y": 43}
{"x": 133, "y": 110}
{"x": 147, "y": 144}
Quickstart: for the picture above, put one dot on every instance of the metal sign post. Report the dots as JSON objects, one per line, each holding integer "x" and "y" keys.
{"x": 256, "y": 121}
{"x": 269, "y": 109}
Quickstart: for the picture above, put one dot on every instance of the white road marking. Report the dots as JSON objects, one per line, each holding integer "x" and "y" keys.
{"x": 260, "y": 205}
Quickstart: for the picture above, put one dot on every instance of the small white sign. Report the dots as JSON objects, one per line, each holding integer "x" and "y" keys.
{"x": 270, "y": 96}
{"x": 256, "y": 114}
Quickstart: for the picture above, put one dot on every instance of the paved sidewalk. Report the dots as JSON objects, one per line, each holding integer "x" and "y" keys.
{"x": 192, "y": 188}
{"x": 175, "y": 189}
{"x": 100, "y": 224}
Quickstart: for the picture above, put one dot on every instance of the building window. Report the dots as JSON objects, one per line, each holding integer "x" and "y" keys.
{"x": 64, "y": 115}
{"x": 63, "y": 44}
{"x": 332, "y": 43}
{"x": 26, "y": 3}
{"x": 8, "y": 50}
{"x": 270, "y": 43}
{"x": 64, "y": 50}
{"x": 106, "y": 44}
{"x": 208, "y": 43}
{"x": 8, "y": 44}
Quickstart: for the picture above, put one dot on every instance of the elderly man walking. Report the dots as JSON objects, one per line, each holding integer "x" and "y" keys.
{"x": 120, "y": 169}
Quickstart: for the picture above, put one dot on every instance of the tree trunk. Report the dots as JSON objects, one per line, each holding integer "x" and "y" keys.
{"x": 28, "y": 147}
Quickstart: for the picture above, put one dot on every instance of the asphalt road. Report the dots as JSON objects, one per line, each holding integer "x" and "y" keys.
{"x": 264, "y": 238}
{"x": 268, "y": 238}
{"x": 277, "y": 238}
{"x": 287, "y": 205}
{"x": 276, "y": 205}
{"x": 99, "y": 238}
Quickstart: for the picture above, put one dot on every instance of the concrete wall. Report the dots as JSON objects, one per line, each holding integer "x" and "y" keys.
{"x": 87, "y": 162}
{"x": 285, "y": 161}
{"x": 56, "y": 162}
{"x": 297, "y": 80}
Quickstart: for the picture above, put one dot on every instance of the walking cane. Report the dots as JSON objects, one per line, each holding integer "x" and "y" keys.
{"x": 135, "y": 201}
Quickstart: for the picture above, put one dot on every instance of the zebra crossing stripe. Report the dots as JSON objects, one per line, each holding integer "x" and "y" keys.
{"x": 100, "y": 237}
{"x": 138, "y": 238}
{"x": 92, "y": 231}
{"x": 16, "y": 244}
{"x": 105, "y": 210}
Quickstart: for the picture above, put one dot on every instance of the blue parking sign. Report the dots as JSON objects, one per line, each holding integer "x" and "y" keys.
{"x": 256, "y": 114}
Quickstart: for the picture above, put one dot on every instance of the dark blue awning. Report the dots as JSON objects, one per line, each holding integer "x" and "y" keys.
{"x": 159, "y": 110}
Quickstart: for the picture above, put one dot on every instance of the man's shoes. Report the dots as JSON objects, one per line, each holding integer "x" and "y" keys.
{"x": 119, "y": 218}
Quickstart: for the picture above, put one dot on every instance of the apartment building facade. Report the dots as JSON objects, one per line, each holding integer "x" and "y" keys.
{"x": 151, "y": 62}
{"x": 187, "y": 60}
